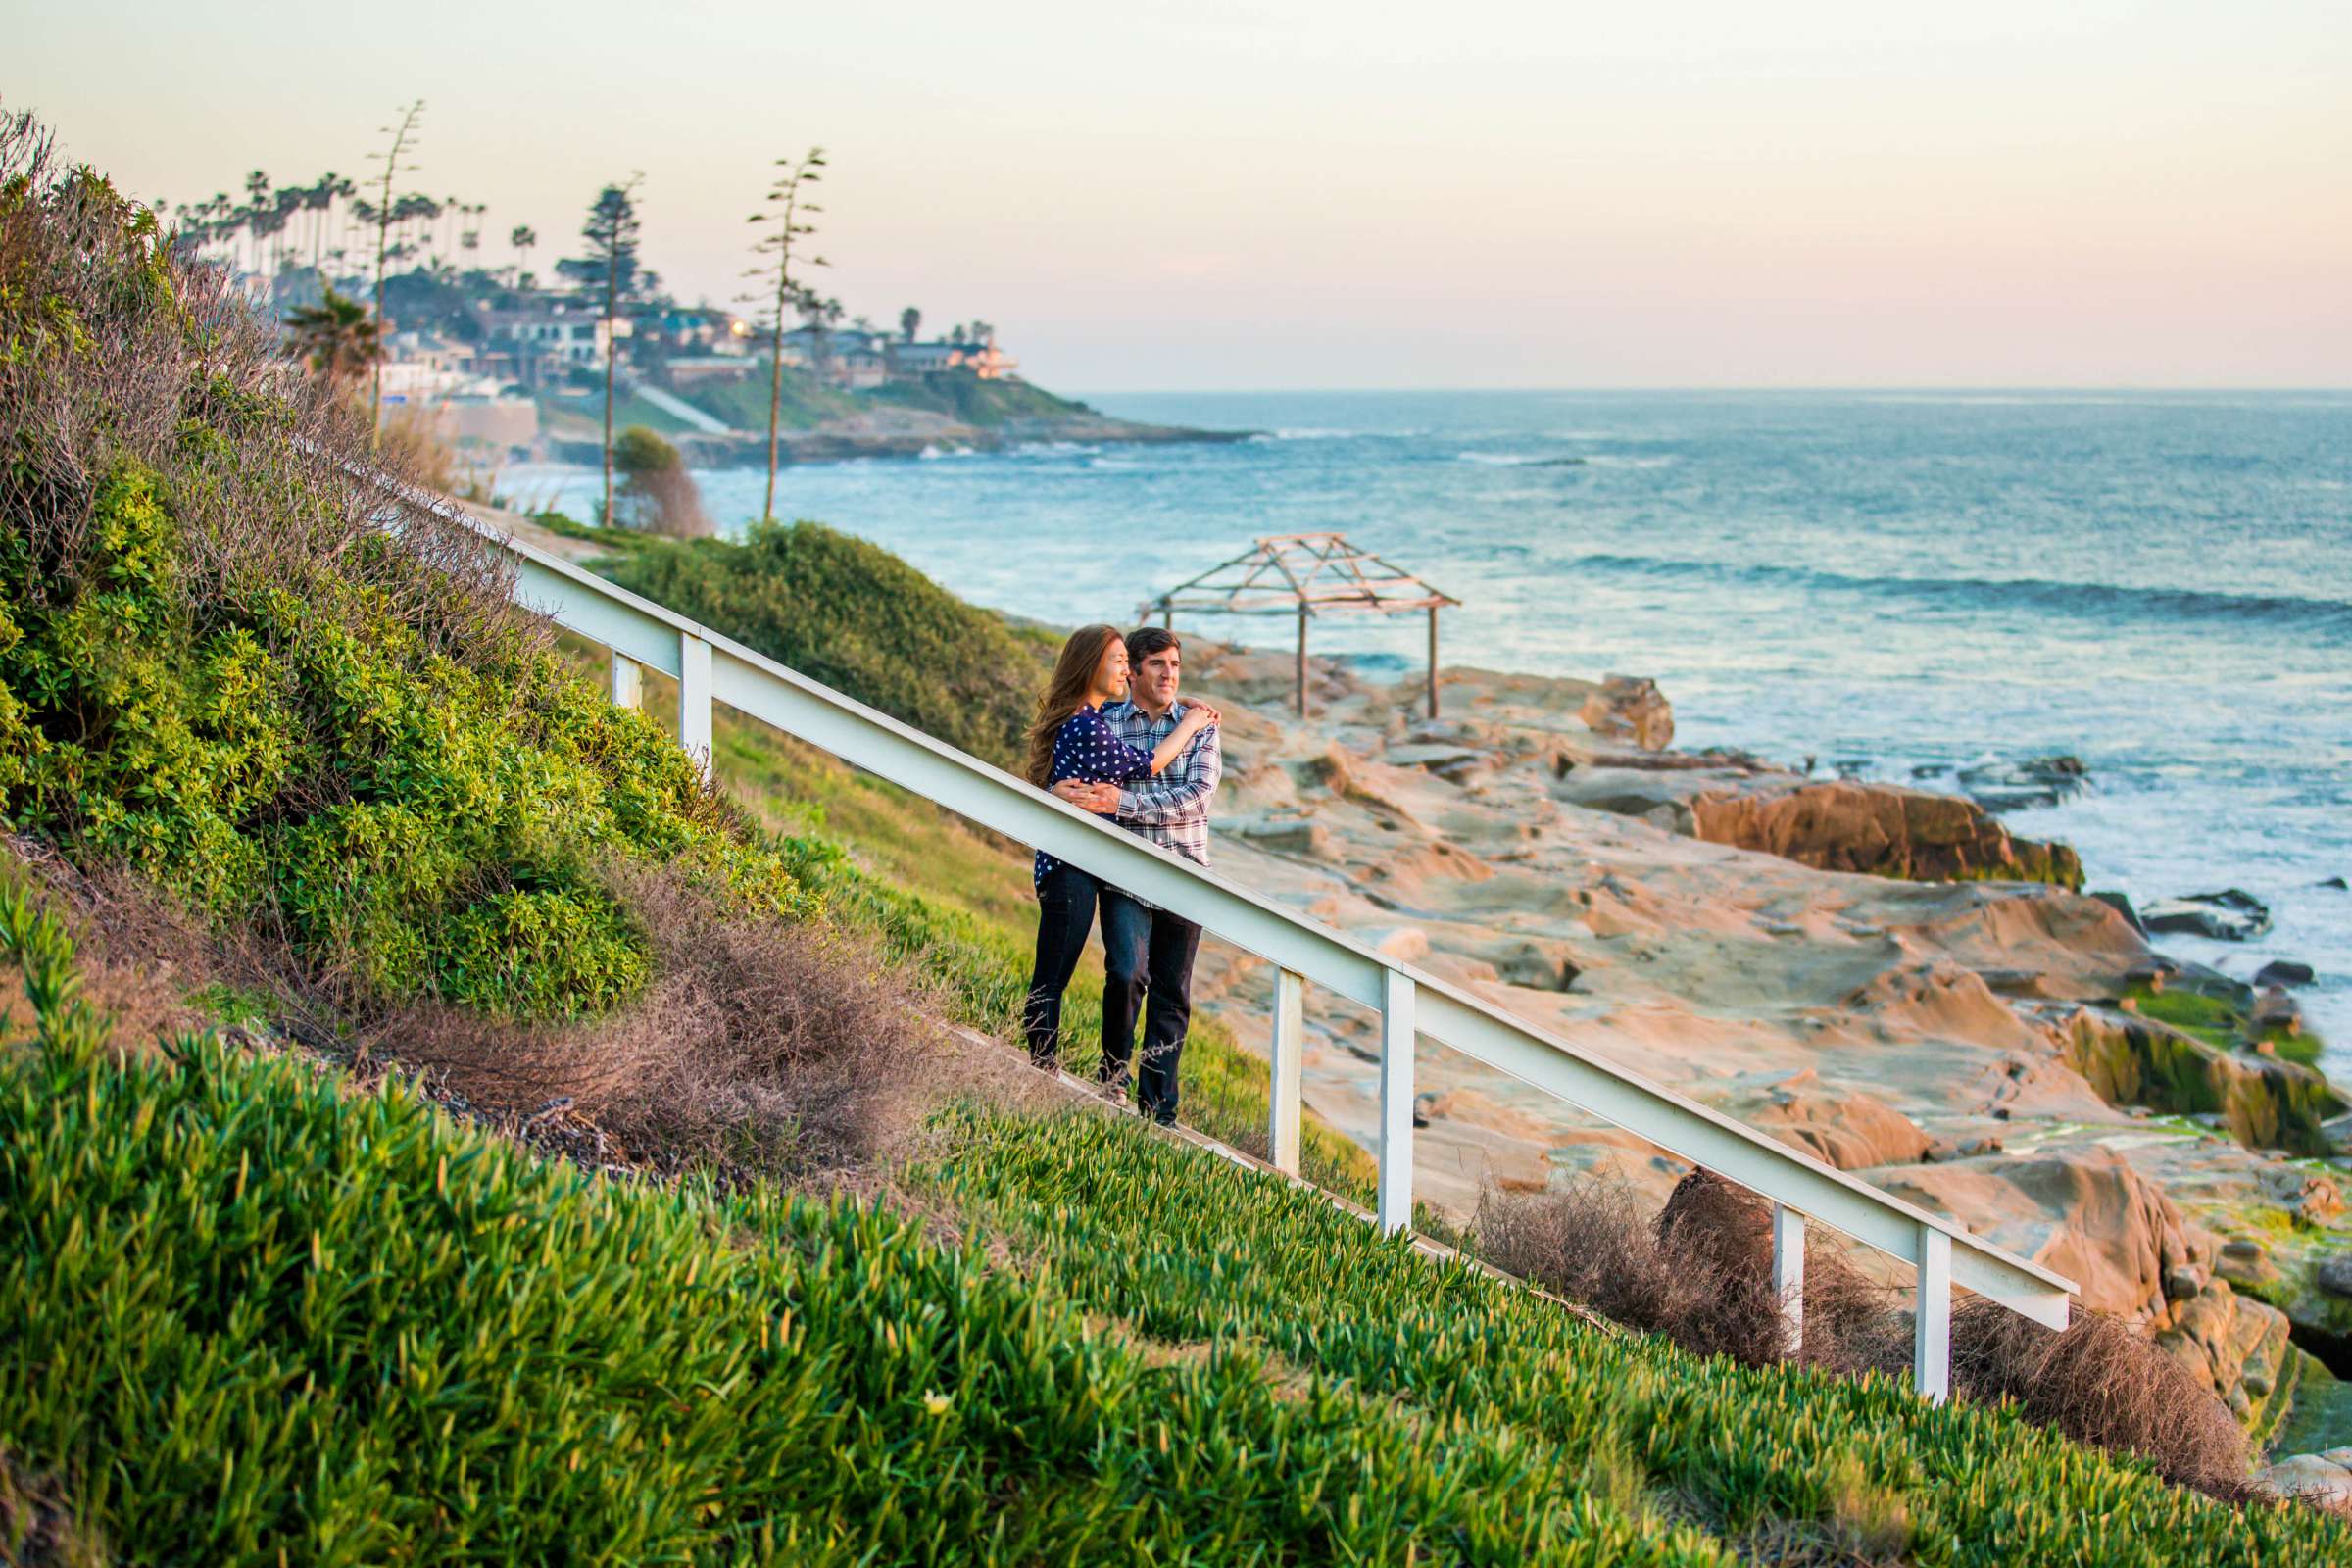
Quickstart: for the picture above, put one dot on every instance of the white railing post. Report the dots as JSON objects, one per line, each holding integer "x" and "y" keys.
{"x": 1284, "y": 1114}
{"x": 1395, "y": 1101}
{"x": 629, "y": 683}
{"x": 694, "y": 699}
{"x": 1931, "y": 1320}
{"x": 1789, "y": 1274}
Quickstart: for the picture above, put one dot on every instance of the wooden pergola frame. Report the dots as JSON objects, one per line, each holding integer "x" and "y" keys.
{"x": 1305, "y": 575}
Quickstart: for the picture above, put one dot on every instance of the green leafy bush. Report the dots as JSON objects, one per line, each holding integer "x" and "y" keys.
{"x": 219, "y": 667}
{"x": 853, "y": 615}
{"x": 656, "y": 494}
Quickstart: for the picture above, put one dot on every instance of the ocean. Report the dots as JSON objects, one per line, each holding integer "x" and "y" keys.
{"x": 1898, "y": 585}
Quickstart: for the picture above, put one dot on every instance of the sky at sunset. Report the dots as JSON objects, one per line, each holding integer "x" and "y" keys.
{"x": 1221, "y": 195}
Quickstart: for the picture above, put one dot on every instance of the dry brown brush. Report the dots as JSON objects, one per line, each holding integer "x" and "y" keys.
{"x": 1700, "y": 1274}
{"x": 762, "y": 1045}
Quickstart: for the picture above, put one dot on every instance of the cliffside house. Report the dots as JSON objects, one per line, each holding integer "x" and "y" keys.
{"x": 545, "y": 341}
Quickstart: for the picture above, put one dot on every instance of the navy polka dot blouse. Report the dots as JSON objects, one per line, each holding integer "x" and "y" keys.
{"x": 1086, "y": 748}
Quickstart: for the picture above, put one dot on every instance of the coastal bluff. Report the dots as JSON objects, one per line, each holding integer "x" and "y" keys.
{"x": 1882, "y": 975}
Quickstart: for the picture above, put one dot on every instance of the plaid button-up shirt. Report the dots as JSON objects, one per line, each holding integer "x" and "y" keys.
{"x": 1172, "y": 809}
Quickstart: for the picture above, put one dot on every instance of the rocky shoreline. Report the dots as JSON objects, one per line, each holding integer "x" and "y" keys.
{"x": 1883, "y": 975}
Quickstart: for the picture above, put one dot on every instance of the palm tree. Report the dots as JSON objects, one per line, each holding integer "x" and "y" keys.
{"x": 910, "y": 320}
{"x": 336, "y": 338}
{"x": 522, "y": 238}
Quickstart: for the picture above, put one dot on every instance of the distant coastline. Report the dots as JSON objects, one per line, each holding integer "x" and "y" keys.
{"x": 905, "y": 433}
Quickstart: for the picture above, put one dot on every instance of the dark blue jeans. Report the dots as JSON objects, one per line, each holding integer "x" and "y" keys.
{"x": 1065, "y": 918}
{"x": 1147, "y": 964}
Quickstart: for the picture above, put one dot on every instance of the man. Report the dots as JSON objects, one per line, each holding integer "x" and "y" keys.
{"x": 1146, "y": 952}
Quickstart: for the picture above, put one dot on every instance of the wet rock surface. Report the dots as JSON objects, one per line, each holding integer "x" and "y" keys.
{"x": 2230, "y": 915}
{"x": 2021, "y": 785}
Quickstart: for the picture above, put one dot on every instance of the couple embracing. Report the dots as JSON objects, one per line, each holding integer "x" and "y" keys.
{"x": 1113, "y": 737}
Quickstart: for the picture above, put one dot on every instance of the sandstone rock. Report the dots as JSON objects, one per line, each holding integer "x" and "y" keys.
{"x": 2182, "y": 1280}
{"x": 2335, "y": 1275}
{"x": 1631, "y": 706}
{"x": 2265, "y": 1103}
{"x": 2308, "y": 1478}
{"x": 1847, "y": 1129}
{"x": 2274, "y": 1010}
{"x": 1407, "y": 943}
{"x": 1879, "y": 828}
{"x": 2085, "y": 1213}
{"x": 1290, "y": 836}
{"x": 2245, "y": 1263}
{"x": 2235, "y": 1345}
{"x": 2121, "y": 904}
{"x": 1542, "y": 965}
{"x": 1453, "y": 762}
{"x": 2230, "y": 915}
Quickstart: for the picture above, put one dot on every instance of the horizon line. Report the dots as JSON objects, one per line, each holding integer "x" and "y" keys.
{"x": 1749, "y": 389}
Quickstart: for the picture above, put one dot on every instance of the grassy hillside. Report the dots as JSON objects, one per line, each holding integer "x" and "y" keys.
{"x": 856, "y": 617}
{"x": 974, "y": 402}
{"x": 259, "y": 1317}
{"x": 741, "y": 402}
{"x": 809, "y": 402}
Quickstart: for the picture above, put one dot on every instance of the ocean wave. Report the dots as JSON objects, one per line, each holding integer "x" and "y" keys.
{"x": 1303, "y": 435}
{"x": 1618, "y": 459}
{"x": 1518, "y": 460}
{"x": 2111, "y": 600}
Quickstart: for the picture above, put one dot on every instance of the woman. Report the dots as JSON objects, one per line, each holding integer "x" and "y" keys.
{"x": 1071, "y": 739}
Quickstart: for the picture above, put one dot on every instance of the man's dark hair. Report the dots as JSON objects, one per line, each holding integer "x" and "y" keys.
{"x": 1145, "y": 641}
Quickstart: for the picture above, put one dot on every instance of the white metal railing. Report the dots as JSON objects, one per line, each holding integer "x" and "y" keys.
{"x": 712, "y": 668}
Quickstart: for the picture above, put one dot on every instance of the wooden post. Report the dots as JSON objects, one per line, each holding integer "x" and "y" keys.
{"x": 1284, "y": 1114}
{"x": 1433, "y": 661}
{"x": 1789, "y": 1274}
{"x": 1167, "y": 617}
{"x": 1397, "y": 1038}
{"x": 1302, "y": 660}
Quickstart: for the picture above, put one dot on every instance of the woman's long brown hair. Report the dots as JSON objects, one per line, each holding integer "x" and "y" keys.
{"x": 1066, "y": 692}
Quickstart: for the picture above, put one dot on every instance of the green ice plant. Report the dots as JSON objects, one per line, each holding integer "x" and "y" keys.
{"x": 257, "y": 1317}
{"x": 1163, "y": 1239}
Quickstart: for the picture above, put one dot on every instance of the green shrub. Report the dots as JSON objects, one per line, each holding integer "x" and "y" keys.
{"x": 436, "y": 824}
{"x": 221, "y": 667}
{"x": 853, "y": 615}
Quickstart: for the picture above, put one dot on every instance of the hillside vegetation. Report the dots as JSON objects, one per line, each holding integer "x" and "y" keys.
{"x": 525, "y": 1198}
{"x": 218, "y": 669}
{"x": 858, "y": 619}
{"x": 809, "y": 402}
